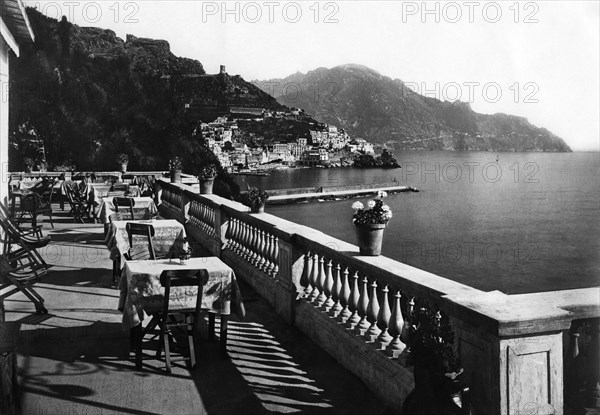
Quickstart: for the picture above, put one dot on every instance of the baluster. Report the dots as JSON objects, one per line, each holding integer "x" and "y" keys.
{"x": 372, "y": 314}
{"x": 345, "y": 297}
{"x": 242, "y": 237}
{"x": 253, "y": 245}
{"x": 236, "y": 235}
{"x": 305, "y": 280}
{"x": 363, "y": 305}
{"x": 266, "y": 253}
{"x": 260, "y": 258}
{"x": 354, "y": 318}
{"x": 321, "y": 283}
{"x": 211, "y": 217}
{"x": 314, "y": 277}
{"x": 276, "y": 257}
{"x": 271, "y": 254}
{"x": 335, "y": 292}
{"x": 396, "y": 327}
{"x": 328, "y": 287}
{"x": 245, "y": 240}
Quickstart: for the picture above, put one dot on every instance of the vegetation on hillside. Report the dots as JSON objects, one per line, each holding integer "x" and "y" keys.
{"x": 89, "y": 95}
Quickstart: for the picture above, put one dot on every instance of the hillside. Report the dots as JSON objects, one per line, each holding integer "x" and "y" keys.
{"x": 85, "y": 95}
{"x": 380, "y": 109}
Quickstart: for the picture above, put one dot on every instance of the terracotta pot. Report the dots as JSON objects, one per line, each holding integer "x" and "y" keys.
{"x": 258, "y": 209}
{"x": 175, "y": 176}
{"x": 370, "y": 238}
{"x": 206, "y": 186}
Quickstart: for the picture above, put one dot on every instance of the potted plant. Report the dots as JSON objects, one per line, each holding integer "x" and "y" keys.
{"x": 436, "y": 369}
{"x": 29, "y": 163}
{"x": 256, "y": 199}
{"x": 206, "y": 177}
{"x": 186, "y": 252}
{"x": 175, "y": 166}
{"x": 370, "y": 224}
{"x": 123, "y": 160}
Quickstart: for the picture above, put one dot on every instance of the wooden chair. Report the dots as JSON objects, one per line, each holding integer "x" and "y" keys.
{"x": 16, "y": 237}
{"x": 124, "y": 202}
{"x": 140, "y": 251}
{"x": 21, "y": 265}
{"x": 77, "y": 201}
{"x": 170, "y": 318}
{"x": 36, "y": 203}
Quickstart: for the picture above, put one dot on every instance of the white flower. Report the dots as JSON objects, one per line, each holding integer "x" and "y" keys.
{"x": 357, "y": 206}
{"x": 381, "y": 194}
{"x": 371, "y": 204}
{"x": 385, "y": 208}
{"x": 389, "y": 215}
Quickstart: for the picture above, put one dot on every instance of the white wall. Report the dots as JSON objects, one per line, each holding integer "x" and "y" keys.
{"x": 4, "y": 178}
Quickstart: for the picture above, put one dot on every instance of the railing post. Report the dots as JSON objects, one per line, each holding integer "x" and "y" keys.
{"x": 521, "y": 346}
{"x": 184, "y": 208}
{"x": 291, "y": 266}
{"x": 221, "y": 223}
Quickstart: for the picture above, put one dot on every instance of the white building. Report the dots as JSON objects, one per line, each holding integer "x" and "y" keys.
{"x": 15, "y": 30}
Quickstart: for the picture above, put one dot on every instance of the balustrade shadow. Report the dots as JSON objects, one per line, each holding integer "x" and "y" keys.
{"x": 281, "y": 368}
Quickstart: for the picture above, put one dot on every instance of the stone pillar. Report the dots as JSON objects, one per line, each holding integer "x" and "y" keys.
{"x": 291, "y": 265}
{"x": 512, "y": 353}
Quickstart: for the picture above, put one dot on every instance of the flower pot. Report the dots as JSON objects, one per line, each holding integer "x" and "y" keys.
{"x": 176, "y": 176}
{"x": 258, "y": 208}
{"x": 124, "y": 167}
{"x": 206, "y": 186}
{"x": 370, "y": 238}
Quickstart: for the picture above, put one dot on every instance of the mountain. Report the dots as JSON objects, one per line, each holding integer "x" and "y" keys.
{"x": 82, "y": 95}
{"x": 371, "y": 106}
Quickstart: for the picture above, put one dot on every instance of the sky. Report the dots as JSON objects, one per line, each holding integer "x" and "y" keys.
{"x": 535, "y": 59}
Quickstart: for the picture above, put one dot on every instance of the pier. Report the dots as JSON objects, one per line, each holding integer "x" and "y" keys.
{"x": 286, "y": 196}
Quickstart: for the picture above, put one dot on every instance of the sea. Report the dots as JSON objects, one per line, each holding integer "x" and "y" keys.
{"x": 513, "y": 222}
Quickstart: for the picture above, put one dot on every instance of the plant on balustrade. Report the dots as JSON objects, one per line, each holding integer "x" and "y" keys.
{"x": 255, "y": 198}
{"x": 377, "y": 212}
{"x": 175, "y": 163}
{"x": 370, "y": 223}
{"x": 207, "y": 171}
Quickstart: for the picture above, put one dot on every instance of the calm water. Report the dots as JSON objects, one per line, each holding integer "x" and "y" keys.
{"x": 530, "y": 222}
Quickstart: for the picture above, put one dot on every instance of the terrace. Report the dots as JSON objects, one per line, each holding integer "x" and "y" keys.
{"x": 317, "y": 312}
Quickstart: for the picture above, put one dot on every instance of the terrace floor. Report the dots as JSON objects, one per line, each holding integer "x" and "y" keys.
{"x": 75, "y": 359}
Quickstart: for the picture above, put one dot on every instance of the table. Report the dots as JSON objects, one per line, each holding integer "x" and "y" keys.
{"x": 107, "y": 208}
{"x": 167, "y": 240}
{"x": 97, "y": 191}
{"x": 142, "y": 294}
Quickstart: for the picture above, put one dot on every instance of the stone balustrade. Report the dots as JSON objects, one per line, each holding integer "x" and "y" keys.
{"x": 358, "y": 308}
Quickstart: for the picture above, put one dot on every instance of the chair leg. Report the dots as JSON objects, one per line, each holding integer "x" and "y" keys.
{"x": 167, "y": 352}
{"x": 190, "y": 333}
{"x": 211, "y": 326}
{"x": 223, "y": 335}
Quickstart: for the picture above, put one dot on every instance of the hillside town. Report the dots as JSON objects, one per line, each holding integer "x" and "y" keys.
{"x": 243, "y": 152}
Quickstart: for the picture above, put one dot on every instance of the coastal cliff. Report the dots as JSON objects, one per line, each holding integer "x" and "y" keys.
{"x": 383, "y": 110}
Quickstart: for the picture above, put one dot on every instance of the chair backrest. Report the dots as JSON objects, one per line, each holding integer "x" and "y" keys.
{"x": 124, "y": 202}
{"x": 181, "y": 278}
{"x": 122, "y": 187}
{"x": 140, "y": 251}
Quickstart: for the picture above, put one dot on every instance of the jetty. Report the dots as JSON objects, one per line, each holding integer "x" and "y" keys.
{"x": 323, "y": 193}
